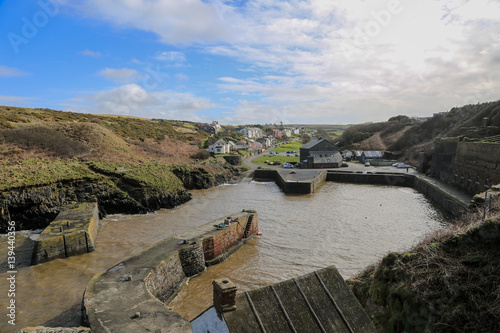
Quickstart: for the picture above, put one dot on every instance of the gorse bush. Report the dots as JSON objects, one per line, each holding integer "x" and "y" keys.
{"x": 48, "y": 139}
{"x": 201, "y": 155}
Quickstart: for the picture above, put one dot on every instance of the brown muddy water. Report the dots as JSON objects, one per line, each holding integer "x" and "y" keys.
{"x": 349, "y": 226}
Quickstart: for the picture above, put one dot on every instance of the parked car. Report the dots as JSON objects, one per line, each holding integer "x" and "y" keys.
{"x": 367, "y": 164}
{"x": 287, "y": 165}
{"x": 344, "y": 165}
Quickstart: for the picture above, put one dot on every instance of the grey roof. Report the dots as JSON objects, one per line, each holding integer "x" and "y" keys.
{"x": 326, "y": 157}
{"x": 314, "y": 142}
{"x": 373, "y": 154}
{"x": 317, "y": 302}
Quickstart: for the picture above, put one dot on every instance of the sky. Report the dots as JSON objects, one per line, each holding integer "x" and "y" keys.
{"x": 250, "y": 62}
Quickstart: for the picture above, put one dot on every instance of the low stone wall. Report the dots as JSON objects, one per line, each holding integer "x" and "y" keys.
{"x": 444, "y": 200}
{"x": 395, "y": 179}
{"x": 447, "y": 201}
{"x": 130, "y": 296}
{"x": 73, "y": 232}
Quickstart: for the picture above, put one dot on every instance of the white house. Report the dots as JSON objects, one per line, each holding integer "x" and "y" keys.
{"x": 232, "y": 145}
{"x": 251, "y": 132}
{"x": 220, "y": 147}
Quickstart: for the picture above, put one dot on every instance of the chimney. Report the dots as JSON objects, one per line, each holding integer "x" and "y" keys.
{"x": 224, "y": 296}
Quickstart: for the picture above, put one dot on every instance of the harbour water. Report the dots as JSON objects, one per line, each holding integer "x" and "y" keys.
{"x": 349, "y": 226}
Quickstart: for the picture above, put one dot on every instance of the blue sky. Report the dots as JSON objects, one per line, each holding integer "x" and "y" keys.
{"x": 243, "y": 62}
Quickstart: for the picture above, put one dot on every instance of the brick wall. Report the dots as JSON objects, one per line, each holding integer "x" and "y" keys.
{"x": 228, "y": 237}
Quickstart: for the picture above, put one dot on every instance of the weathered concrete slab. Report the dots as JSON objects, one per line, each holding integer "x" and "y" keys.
{"x": 73, "y": 232}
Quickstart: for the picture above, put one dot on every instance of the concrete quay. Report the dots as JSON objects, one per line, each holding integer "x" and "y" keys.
{"x": 131, "y": 296}
{"x": 307, "y": 181}
{"x": 73, "y": 232}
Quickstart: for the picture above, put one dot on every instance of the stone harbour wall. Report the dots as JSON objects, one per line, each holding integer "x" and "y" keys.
{"x": 73, "y": 232}
{"x": 468, "y": 166}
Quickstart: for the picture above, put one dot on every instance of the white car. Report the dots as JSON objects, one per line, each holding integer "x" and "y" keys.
{"x": 367, "y": 164}
{"x": 287, "y": 165}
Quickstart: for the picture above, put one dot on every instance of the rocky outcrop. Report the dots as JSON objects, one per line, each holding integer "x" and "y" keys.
{"x": 201, "y": 178}
{"x": 36, "y": 207}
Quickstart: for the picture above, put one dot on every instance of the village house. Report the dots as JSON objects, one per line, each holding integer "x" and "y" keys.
{"x": 371, "y": 155}
{"x": 213, "y": 128}
{"x": 276, "y": 133}
{"x": 317, "y": 302}
{"x": 256, "y": 146}
{"x": 220, "y": 147}
{"x": 320, "y": 153}
{"x": 347, "y": 155}
{"x": 251, "y": 132}
{"x": 324, "y": 159}
{"x": 232, "y": 146}
{"x": 241, "y": 145}
{"x": 317, "y": 145}
{"x": 265, "y": 142}
{"x": 287, "y": 133}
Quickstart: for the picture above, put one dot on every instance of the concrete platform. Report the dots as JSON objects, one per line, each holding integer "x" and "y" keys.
{"x": 73, "y": 232}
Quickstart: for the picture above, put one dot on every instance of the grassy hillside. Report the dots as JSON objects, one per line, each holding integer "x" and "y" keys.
{"x": 407, "y": 137}
{"x": 49, "y": 158}
{"x": 56, "y": 136}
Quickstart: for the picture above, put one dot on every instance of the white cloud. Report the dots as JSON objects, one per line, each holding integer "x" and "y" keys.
{"x": 171, "y": 56}
{"x": 94, "y": 54}
{"x": 15, "y": 100}
{"x": 332, "y": 60}
{"x": 132, "y": 99}
{"x": 176, "y": 22}
{"x": 123, "y": 75}
{"x": 11, "y": 72}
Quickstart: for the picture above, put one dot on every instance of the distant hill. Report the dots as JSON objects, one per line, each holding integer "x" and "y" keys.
{"x": 407, "y": 137}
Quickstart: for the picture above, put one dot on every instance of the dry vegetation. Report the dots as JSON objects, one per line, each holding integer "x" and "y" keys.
{"x": 450, "y": 282}
{"x": 40, "y": 146}
{"x": 407, "y": 138}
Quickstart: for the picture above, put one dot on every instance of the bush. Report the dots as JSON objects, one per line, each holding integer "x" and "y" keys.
{"x": 45, "y": 138}
{"x": 201, "y": 155}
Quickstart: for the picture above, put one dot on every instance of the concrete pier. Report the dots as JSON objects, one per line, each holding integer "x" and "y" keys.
{"x": 73, "y": 232}
{"x": 292, "y": 181}
{"x": 130, "y": 296}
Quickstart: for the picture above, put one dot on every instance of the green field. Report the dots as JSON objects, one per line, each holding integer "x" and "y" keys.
{"x": 283, "y": 158}
{"x": 292, "y": 146}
